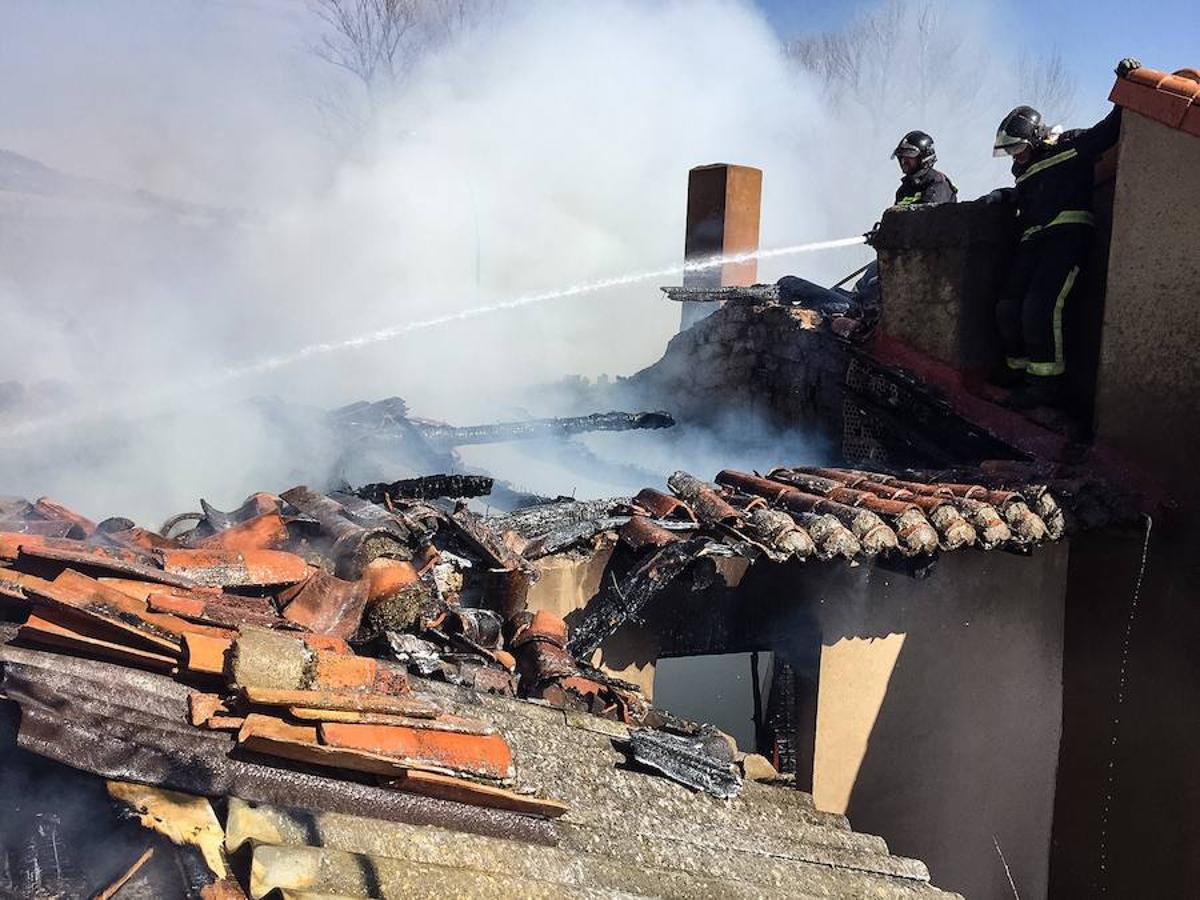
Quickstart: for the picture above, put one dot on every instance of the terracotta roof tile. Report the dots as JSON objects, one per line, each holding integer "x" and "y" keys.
{"x": 543, "y": 625}
{"x": 1183, "y": 85}
{"x": 482, "y": 755}
{"x": 1167, "y": 98}
{"x": 1144, "y": 75}
{"x": 1191, "y": 121}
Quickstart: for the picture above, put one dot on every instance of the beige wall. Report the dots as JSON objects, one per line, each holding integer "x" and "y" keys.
{"x": 853, "y": 683}
{"x": 567, "y": 581}
{"x": 939, "y": 713}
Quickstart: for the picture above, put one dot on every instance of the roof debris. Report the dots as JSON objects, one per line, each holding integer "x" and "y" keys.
{"x": 703, "y": 761}
{"x": 182, "y": 818}
{"x": 293, "y": 621}
{"x": 317, "y": 651}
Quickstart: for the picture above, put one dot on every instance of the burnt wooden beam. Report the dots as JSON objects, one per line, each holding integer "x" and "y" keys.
{"x": 457, "y": 436}
{"x": 427, "y": 487}
{"x": 620, "y": 601}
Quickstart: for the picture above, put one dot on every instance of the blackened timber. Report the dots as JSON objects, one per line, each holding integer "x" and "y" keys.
{"x": 782, "y": 726}
{"x": 755, "y": 293}
{"x": 427, "y": 487}
{"x": 511, "y": 575}
{"x": 620, "y": 601}
{"x": 703, "y": 762}
{"x": 458, "y": 436}
{"x": 570, "y": 535}
{"x": 547, "y": 518}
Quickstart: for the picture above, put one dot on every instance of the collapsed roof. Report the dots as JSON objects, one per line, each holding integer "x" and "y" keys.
{"x": 347, "y": 672}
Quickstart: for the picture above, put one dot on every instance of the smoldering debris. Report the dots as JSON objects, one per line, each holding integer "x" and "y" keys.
{"x": 453, "y": 436}
{"x": 283, "y": 652}
{"x": 703, "y": 761}
{"x": 362, "y": 443}
{"x": 343, "y": 651}
{"x": 427, "y": 487}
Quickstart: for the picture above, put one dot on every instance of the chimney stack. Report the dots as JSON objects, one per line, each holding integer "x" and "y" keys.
{"x": 724, "y": 202}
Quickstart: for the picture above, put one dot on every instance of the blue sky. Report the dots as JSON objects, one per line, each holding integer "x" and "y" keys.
{"x": 1091, "y": 36}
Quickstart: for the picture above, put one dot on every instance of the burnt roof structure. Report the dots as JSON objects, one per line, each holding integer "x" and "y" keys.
{"x": 312, "y": 660}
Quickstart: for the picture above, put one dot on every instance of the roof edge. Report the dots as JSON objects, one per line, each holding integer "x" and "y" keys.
{"x": 1172, "y": 99}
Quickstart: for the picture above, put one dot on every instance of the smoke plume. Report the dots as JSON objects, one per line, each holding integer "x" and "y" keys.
{"x": 187, "y": 188}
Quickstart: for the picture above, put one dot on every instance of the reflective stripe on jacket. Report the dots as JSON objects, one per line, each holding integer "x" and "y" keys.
{"x": 928, "y": 186}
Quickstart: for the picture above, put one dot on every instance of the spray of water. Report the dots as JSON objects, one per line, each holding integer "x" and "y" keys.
{"x": 587, "y": 287}
{"x": 1110, "y": 776}
{"x": 392, "y": 332}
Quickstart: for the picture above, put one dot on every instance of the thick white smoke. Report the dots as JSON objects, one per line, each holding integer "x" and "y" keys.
{"x": 549, "y": 148}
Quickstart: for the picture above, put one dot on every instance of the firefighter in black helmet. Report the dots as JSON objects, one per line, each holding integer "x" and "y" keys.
{"x": 921, "y": 183}
{"x": 1054, "y": 178}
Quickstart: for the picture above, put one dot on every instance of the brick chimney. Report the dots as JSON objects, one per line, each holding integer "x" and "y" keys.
{"x": 724, "y": 202}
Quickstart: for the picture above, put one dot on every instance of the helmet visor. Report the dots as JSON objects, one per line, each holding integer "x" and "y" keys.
{"x": 1007, "y": 145}
{"x": 907, "y": 151}
{"x": 1010, "y": 150}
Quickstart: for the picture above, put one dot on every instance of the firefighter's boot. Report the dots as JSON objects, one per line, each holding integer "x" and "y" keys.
{"x": 1039, "y": 390}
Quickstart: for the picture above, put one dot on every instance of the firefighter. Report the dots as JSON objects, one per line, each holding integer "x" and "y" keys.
{"x": 921, "y": 182}
{"x": 1054, "y": 172}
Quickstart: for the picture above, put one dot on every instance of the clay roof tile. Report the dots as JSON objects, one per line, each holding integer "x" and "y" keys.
{"x": 1167, "y": 98}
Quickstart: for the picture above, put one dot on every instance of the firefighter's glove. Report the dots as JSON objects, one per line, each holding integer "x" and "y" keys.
{"x": 871, "y": 235}
{"x": 999, "y": 195}
{"x": 1127, "y": 65}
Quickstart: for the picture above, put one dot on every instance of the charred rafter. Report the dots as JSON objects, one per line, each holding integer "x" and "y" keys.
{"x": 458, "y": 436}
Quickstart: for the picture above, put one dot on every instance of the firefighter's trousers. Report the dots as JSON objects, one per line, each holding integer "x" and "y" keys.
{"x": 1046, "y": 274}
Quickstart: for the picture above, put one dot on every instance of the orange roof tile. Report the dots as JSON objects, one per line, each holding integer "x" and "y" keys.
{"x": 487, "y": 756}
{"x": 1173, "y": 100}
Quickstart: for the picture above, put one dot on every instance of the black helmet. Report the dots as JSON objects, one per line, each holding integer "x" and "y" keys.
{"x": 918, "y": 145}
{"x": 1021, "y": 128}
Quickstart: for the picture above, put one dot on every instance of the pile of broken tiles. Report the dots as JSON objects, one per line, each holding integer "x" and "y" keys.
{"x": 294, "y": 622}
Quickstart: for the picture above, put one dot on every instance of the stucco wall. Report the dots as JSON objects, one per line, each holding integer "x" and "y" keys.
{"x": 1149, "y": 381}
{"x": 1128, "y": 808}
{"x": 939, "y": 700}
{"x": 1127, "y": 816}
{"x": 939, "y": 713}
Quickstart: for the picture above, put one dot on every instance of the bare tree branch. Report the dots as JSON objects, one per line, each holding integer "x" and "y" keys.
{"x": 904, "y": 55}
{"x": 1046, "y": 85}
{"x": 379, "y": 41}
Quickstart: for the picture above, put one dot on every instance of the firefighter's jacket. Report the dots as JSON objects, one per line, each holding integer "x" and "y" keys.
{"x": 1055, "y": 187}
{"x": 926, "y": 186}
